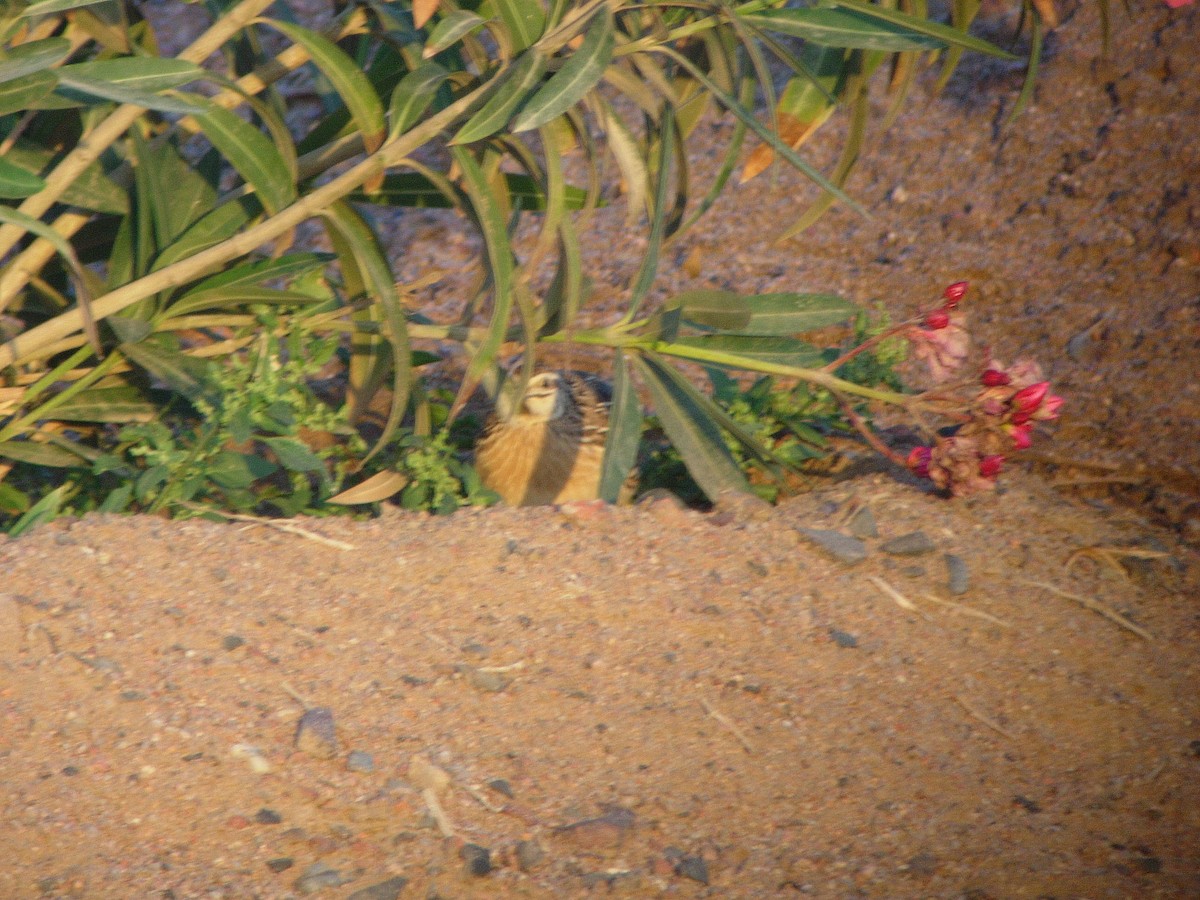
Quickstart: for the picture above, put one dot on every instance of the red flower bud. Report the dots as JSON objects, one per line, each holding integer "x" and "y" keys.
{"x": 954, "y": 293}
{"x": 1022, "y": 436}
{"x": 1029, "y": 398}
{"x": 990, "y": 466}
{"x": 1048, "y": 411}
{"x": 1019, "y": 418}
{"x": 937, "y": 320}
{"x": 918, "y": 461}
{"x": 995, "y": 378}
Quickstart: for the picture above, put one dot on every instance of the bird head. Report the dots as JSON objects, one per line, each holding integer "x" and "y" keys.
{"x": 545, "y": 397}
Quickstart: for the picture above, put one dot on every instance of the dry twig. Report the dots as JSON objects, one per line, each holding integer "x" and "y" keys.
{"x": 969, "y": 611}
{"x": 281, "y": 524}
{"x": 990, "y": 723}
{"x": 1110, "y": 556}
{"x": 728, "y": 723}
{"x": 1095, "y": 606}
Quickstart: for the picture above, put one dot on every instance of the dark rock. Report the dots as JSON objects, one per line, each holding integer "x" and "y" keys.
{"x": 843, "y": 639}
{"x": 280, "y": 864}
{"x": 922, "y": 865}
{"x": 501, "y": 786}
{"x": 478, "y": 859}
{"x": 267, "y": 817}
{"x": 317, "y": 877}
{"x": 529, "y": 855}
{"x": 693, "y": 867}
{"x": 316, "y": 734}
{"x": 862, "y": 524}
{"x": 845, "y": 549}
{"x": 914, "y": 543}
{"x": 232, "y": 641}
{"x": 958, "y": 574}
{"x": 384, "y": 890}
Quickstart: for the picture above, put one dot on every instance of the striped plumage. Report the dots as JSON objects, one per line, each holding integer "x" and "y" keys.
{"x": 549, "y": 450}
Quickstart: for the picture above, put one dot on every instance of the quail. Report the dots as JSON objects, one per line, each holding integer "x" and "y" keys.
{"x": 551, "y": 448}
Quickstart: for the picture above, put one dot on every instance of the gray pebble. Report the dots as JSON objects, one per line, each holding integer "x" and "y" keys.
{"x": 693, "y": 867}
{"x": 232, "y": 641}
{"x": 280, "y": 864}
{"x": 862, "y": 524}
{"x": 384, "y": 890}
{"x": 959, "y": 575}
{"x": 267, "y": 816}
{"x": 316, "y": 734}
{"x": 842, "y": 547}
{"x": 912, "y": 544}
{"x": 360, "y": 761}
{"x": 317, "y": 877}
{"x": 501, "y": 786}
{"x": 843, "y": 638}
{"x": 491, "y": 682}
{"x": 529, "y": 854}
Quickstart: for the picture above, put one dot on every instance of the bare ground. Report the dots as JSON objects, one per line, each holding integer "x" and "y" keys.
{"x": 650, "y": 701}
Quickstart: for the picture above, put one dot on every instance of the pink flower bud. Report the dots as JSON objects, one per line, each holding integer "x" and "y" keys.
{"x": 1019, "y": 418}
{"x": 990, "y": 466}
{"x": 1049, "y": 410}
{"x": 954, "y": 293}
{"x": 1022, "y": 436}
{"x": 918, "y": 461}
{"x": 937, "y": 320}
{"x": 995, "y": 378}
{"x": 1029, "y": 398}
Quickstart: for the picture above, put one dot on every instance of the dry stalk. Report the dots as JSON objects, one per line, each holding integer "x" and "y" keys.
{"x": 990, "y": 723}
{"x": 1095, "y": 606}
{"x": 728, "y": 723}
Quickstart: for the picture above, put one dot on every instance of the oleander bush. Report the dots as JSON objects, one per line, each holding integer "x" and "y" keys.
{"x": 167, "y": 341}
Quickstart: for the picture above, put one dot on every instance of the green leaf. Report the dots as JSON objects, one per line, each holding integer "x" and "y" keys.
{"x": 237, "y": 295}
{"x": 413, "y": 189}
{"x": 764, "y": 314}
{"x": 515, "y": 89}
{"x": 624, "y": 432}
{"x": 23, "y": 93}
{"x": 294, "y": 455}
{"x": 378, "y": 487}
{"x": 257, "y": 271}
{"x": 580, "y": 73}
{"x": 347, "y": 79}
{"x": 782, "y": 350}
{"x": 16, "y": 182}
{"x": 525, "y": 21}
{"x": 413, "y": 95}
{"x": 124, "y": 403}
{"x": 43, "y": 511}
{"x": 91, "y": 189}
{"x": 47, "y": 7}
{"x": 253, "y": 155}
{"x": 695, "y": 435}
{"x": 450, "y": 30}
{"x": 233, "y": 470}
{"x": 36, "y": 56}
{"x": 182, "y": 374}
{"x": 133, "y": 80}
{"x": 842, "y": 28}
{"x": 950, "y": 36}
{"x": 211, "y": 228}
{"x": 39, "y": 454}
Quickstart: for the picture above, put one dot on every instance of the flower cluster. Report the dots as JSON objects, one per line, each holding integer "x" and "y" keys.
{"x": 943, "y": 343}
{"x": 998, "y": 421}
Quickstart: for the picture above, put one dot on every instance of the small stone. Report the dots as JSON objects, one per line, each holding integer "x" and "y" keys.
{"x": 843, "y": 638}
{"x": 360, "y": 761}
{"x": 267, "y": 817}
{"x": 862, "y": 523}
{"x": 501, "y": 786}
{"x": 280, "y": 864}
{"x": 608, "y": 830}
{"x": 384, "y": 890}
{"x": 922, "y": 865}
{"x": 693, "y": 867}
{"x": 845, "y": 549}
{"x": 488, "y": 681}
{"x": 958, "y": 573}
{"x": 478, "y": 859}
{"x": 232, "y": 641}
{"x": 529, "y": 855}
{"x": 914, "y": 543}
{"x": 131, "y": 696}
{"x": 316, "y": 734}
{"x": 317, "y": 877}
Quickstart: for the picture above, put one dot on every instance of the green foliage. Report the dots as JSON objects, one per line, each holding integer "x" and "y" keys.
{"x": 145, "y": 197}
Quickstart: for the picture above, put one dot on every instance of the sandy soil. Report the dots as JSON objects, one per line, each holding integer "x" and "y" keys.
{"x": 654, "y": 702}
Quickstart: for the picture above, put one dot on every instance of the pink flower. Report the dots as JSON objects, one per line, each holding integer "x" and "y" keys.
{"x": 1049, "y": 410}
{"x": 954, "y": 293}
{"x": 943, "y": 349}
{"x": 1029, "y": 398}
{"x": 990, "y": 466}
{"x": 918, "y": 461}
{"x": 995, "y": 378}
{"x": 937, "y": 320}
{"x": 1175, "y": 4}
{"x": 1022, "y": 436}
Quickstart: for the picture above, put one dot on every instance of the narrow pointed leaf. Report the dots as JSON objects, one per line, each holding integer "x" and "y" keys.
{"x": 25, "y": 59}
{"x": 525, "y": 21}
{"x": 693, "y": 432}
{"x": 44, "y": 510}
{"x": 781, "y": 350}
{"x": 91, "y": 189}
{"x": 124, "y": 403}
{"x": 448, "y": 31}
{"x": 516, "y": 88}
{"x": 378, "y": 487}
{"x": 24, "y": 93}
{"x": 136, "y": 73}
{"x": 253, "y": 155}
{"x": 413, "y": 95}
{"x": 843, "y": 28}
{"x": 628, "y": 154}
{"x": 347, "y": 79}
{"x": 38, "y": 454}
{"x": 16, "y": 182}
{"x": 579, "y": 74}
{"x": 180, "y": 373}
{"x": 47, "y": 7}
{"x": 294, "y": 455}
{"x": 765, "y": 314}
{"x": 624, "y": 432}
{"x": 950, "y": 36}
